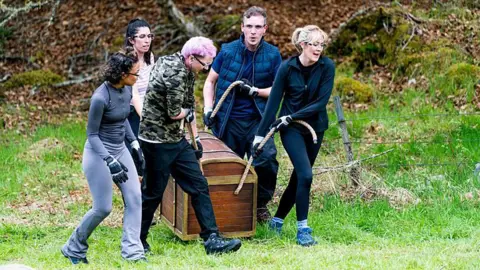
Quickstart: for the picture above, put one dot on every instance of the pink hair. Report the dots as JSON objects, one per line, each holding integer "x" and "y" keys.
{"x": 200, "y": 46}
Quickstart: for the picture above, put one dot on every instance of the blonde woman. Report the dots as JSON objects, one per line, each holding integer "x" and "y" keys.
{"x": 305, "y": 83}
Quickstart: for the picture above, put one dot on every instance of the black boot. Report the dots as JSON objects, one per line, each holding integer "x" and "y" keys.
{"x": 146, "y": 246}
{"x": 218, "y": 245}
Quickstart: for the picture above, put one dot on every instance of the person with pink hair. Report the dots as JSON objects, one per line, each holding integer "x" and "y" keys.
{"x": 169, "y": 101}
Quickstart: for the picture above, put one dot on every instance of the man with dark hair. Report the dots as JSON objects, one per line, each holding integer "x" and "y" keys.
{"x": 255, "y": 62}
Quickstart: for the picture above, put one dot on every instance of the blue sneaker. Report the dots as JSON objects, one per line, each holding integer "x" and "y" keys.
{"x": 476, "y": 172}
{"x": 275, "y": 226}
{"x": 74, "y": 260}
{"x": 304, "y": 237}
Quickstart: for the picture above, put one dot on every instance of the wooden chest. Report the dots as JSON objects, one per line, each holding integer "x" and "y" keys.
{"x": 235, "y": 214}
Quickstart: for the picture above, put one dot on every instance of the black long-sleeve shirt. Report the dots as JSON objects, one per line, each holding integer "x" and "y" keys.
{"x": 302, "y": 99}
{"x": 107, "y": 117}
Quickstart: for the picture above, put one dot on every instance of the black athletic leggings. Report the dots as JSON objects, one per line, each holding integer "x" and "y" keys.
{"x": 302, "y": 152}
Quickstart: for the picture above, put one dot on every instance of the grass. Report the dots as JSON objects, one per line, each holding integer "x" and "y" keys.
{"x": 351, "y": 236}
{"x": 44, "y": 196}
{"x": 417, "y": 208}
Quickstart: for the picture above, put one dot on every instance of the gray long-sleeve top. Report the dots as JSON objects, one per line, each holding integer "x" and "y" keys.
{"x": 107, "y": 117}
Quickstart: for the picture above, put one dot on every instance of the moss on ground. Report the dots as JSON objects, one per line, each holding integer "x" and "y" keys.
{"x": 376, "y": 38}
{"x": 385, "y": 37}
{"x": 427, "y": 62}
{"x": 352, "y": 90}
{"x": 36, "y": 77}
{"x": 458, "y": 73}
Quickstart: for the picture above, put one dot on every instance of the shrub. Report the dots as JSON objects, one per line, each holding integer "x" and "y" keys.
{"x": 428, "y": 62}
{"x": 460, "y": 72}
{"x": 36, "y": 77}
{"x": 352, "y": 90}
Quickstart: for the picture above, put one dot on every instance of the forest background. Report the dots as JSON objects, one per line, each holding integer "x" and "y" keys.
{"x": 408, "y": 77}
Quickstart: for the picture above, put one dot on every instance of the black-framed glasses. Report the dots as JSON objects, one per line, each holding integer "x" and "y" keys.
{"x": 205, "y": 66}
{"x": 133, "y": 74}
{"x": 143, "y": 36}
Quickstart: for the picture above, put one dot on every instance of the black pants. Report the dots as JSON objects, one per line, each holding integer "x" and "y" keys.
{"x": 238, "y": 136}
{"x": 134, "y": 120}
{"x": 302, "y": 152}
{"x": 179, "y": 160}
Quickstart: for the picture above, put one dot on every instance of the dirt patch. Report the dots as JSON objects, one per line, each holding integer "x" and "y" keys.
{"x": 60, "y": 209}
{"x": 40, "y": 148}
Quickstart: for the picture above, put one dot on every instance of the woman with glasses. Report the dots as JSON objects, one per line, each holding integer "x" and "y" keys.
{"x": 139, "y": 36}
{"x": 305, "y": 83}
{"x": 106, "y": 159}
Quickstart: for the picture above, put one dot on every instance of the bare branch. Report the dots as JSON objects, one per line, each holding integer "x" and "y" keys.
{"x": 72, "y": 82}
{"x": 5, "y": 78}
{"x": 13, "y": 12}
{"x": 334, "y": 33}
{"x": 177, "y": 17}
{"x": 413, "y": 18}
{"x": 410, "y": 38}
{"x": 171, "y": 41}
{"x": 320, "y": 170}
{"x": 54, "y": 12}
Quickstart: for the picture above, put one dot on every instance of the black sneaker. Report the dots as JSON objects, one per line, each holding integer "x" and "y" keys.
{"x": 146, "y": 247}
{"x": 218, "y": 245}
{"x": 74, "y": 260}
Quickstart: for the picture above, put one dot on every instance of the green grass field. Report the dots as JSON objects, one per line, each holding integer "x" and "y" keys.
{"x": 43, "y": 195}
{"x": 417, "y": 206}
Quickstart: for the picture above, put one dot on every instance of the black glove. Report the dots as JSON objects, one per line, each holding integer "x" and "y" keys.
{"x": 255, "y": 150}
{"x": 190, "y": 115}
{"x": 117, "y": 169}
{"x": 246, "y": 89}
{"x": 138, "y": 158}
{"x": 206, "y": 117}
{"x": 282, "y": 122}
{"x": 199, "y": 152}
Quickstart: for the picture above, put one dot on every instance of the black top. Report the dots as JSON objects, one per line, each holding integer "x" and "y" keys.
{"x": 305, "y": 70}
{"x": 107, "y": 117}
{"x": 305, "y": 92}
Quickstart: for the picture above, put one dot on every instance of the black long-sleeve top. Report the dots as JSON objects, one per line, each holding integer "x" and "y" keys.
{"x": 305, "y": 92}
{"x": 107, "y": 117}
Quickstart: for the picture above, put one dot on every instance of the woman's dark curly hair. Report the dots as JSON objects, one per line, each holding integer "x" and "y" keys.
{"x": 132, "y": 29}
{"x": 119, "y": 64}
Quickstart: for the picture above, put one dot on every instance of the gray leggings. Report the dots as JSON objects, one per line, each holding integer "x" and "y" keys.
{"x": 100, "y": 184}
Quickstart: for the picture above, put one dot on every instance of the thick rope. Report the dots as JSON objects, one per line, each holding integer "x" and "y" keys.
{"x": 262, "y": 143}
{"x": 224, "y": 96}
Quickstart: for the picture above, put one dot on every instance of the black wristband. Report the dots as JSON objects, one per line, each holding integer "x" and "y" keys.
{"x": 108, "y": 159}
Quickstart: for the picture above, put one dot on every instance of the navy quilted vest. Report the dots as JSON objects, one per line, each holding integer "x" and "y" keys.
{"x": 263, "y": 76}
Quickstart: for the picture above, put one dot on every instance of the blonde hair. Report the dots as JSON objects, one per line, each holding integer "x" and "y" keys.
{"x": 307, "y": 34}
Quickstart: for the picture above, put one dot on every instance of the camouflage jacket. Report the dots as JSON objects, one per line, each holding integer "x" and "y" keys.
{"x": 170, "y": 88}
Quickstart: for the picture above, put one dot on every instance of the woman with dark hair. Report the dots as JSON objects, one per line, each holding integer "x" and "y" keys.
{"x": 106, "y": 159}
{"x": 305, "y": 84}
{"x": 138, "y": 35}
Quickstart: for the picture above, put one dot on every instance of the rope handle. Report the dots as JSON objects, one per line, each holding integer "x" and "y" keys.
{"x": 263, "y": 142}
{"x": 194, "y": 142}
{"x": 224, "y": 96}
